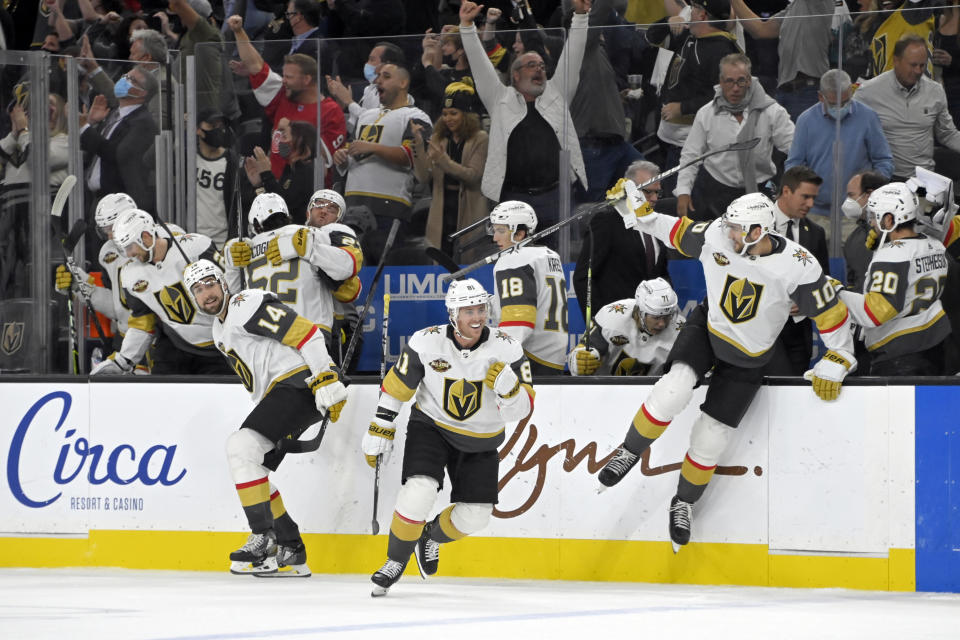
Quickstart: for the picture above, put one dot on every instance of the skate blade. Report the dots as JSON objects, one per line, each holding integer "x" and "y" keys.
{"x": 267, "y": 567}
{"x": 379, "y": 591}
{"x": 288, "y": 571}
{"x": 676, "y": 547}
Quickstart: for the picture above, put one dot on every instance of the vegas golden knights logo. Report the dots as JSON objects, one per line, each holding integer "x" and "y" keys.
{"x": 461, "y": 398}
{"x": 879, "y": 46}
{"x": 740, "y": 299}
{"x": 12, "y": 337}
{"x": 246, "y": 376}
{"x": 371, "y": 133}
{"x": 176, "y": 303}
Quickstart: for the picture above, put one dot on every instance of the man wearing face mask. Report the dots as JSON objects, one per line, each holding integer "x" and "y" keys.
{"x": 118, "y": 139}
{"x": 860, "y": 136}
{"x": 216, "y": 178}
{"x": 381, "y": 54}
{"x": 855, "y": 250}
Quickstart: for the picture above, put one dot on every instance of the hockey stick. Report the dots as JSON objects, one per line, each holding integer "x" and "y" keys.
{"x": 304, "y": 446}
{"x": 442, "y": 259}
{"x": 67, "y": 244}
{"x": 736, "y": 146}
{"x": 384, "y": 350}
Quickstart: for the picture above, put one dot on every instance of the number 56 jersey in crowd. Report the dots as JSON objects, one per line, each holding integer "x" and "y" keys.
{"x": 448, "y": 383}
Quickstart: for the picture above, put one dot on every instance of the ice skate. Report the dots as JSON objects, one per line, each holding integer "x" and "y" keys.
{"x": 386, "y": 576}
{"x": 427, "y": 553}
{"x": 257, "y": 557}
{"x": 681, "y": 515}
{"x": 619, "y": 465}
{"x": 291, "y": 562}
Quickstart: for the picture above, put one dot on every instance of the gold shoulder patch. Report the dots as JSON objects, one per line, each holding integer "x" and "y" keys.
{"x": 110, "y": 256}
{"x": 503, "y": 336}
{"x": 430, "y": 330}
{"x": 619, "y": 340}
{"x": 802, "y": 256}
{"x": 620, "y": 308}
{"x": 140, "y": 286}
{"x": 237, "y": 299}
{"x": 720, "y": 259}
{"x": 440, "y": 365}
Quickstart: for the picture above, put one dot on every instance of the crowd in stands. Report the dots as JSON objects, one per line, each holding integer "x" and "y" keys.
{"x": 433, "y": 111}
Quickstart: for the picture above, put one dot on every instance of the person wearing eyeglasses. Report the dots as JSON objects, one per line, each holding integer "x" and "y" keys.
{"x": 860, "y": 136}
{"x": 740, "y": 110}
{"x": 621, "y": 260}
{"x": 529, "y": 120}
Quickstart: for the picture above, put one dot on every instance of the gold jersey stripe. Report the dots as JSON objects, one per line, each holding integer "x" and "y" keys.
{"x": 446, "y": 524}
{"x": 735, "y": 344}
{"x": 357, "y": 256}
{"x": 299, "y": 329}
{"x": 144, "y": 323}
{"x": 283, "y": 377}
{"x": 552, "y": 365}
{"x": 466, "y": 432}
{"x": 519, "y": 313}
{"x": 695, "y": 473}
{"x": 395, "y": 387}
{"x": 898, "y": 334}
{"x": 382, "y": 196}
{"x": 405, "y": 529}
{"x": 878, "y": 307}
{"x": 832, "y": 318}
{"x": 676, "y": 234}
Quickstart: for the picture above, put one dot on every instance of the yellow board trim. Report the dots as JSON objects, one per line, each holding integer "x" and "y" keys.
{"x": 543, "y": 559}
{"x": 923, "y": 327}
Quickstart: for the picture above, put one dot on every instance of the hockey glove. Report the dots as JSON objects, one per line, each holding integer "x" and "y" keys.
{"x": 65, "y": 281}
{"x": 239, "y": 253}
{"x": 502, "y": 380}
{"x": 828, "y": 374}
{"x": 871, "y": 241}
{"x": 378, "y": 441}
{"x": 288, "y": 247}
{"x": 583, "y": 361}
{"x": 629, "y": 202}
{"x": 349, "y": 290}
{"x": 329, "y": 393}
{"x": 114, "y": 364}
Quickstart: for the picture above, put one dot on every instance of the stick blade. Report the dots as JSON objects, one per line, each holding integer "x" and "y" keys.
{"x": 744, "y": 145}
{"x": 63, "y": 194}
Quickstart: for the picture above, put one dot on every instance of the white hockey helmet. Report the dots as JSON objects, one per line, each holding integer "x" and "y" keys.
{"x": 896, "y": 199}
{"x": 110, "y": 207}
{"x": 200, "y": 271}
{"x": 748, "y": 211}
{"x": 322, "y": 196}
{"x": 512, "y": 214}
{"x": 655, "y": 298}
{"x": 264, "y": 206}
{"x": 465, "y": 293}
{"x": 129, "y": 228}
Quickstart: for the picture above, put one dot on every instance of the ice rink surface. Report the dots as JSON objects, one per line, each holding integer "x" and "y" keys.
{"x": 124, "y": 604}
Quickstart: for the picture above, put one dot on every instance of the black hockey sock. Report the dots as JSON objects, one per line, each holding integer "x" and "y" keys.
{"x": 259, "y": 517}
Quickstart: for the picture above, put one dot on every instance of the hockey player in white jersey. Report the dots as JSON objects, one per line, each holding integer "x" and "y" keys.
{"x": 155, "y": 294}
{"x": 531, "y": 289}
{"x": 900, "y": 310}
{"x": 753, "y": 277}
{"x": 469, "y": 380}
{"x": 282, "y": 360}
{"x": 630, "y": 337}
{"x": 107, "y": 299}
{"x": 304, "y": 266}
